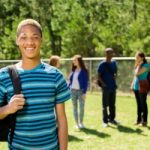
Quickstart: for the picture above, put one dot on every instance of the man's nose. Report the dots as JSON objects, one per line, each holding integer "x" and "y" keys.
{"x": 29, "y": 41}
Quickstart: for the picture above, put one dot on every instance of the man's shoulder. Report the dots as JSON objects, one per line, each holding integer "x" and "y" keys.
{"x": 50, "y": 69}
{"x": 4, "y": 70}
{"x": 114, "y": 62}
{"x": 102, "y": 62}
{"x": 101, "y": 65}
{"x": 4, "y": 73}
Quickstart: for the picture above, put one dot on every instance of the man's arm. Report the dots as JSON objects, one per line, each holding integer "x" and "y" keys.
{"x": 62, "y": 126}
{"x": 16, "y": 103}
{"x": 4, "y": 112}
{"x": 99, "y": 78}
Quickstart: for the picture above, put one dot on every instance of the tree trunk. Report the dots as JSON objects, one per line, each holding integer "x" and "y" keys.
{"x": 55, "y": 40}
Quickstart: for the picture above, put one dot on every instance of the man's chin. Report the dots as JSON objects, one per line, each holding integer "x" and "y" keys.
{"x": 32, "y": 57}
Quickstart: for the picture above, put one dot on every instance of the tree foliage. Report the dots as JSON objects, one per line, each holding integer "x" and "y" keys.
{"x": 85, "y": 27}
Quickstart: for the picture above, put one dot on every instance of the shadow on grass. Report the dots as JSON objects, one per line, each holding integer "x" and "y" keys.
{"x": 95, "y": 132}
{"x": 125, "y": 129}
{"x": 73, "y": 138}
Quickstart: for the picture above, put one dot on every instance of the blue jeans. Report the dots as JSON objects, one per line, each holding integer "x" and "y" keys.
{"x": 77, "y": 98}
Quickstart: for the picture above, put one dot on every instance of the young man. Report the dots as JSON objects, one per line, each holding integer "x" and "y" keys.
{"x": 107, "y": 71}
{"x": 41, "y": 120}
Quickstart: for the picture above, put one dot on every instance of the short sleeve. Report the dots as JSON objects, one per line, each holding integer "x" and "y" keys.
{"x": 143, "y": 76}
{"x": 62, "y": 89}
{"x": 146, "y": 65}
{"x": 2, "y": 93}
{"x": 100, "y": 68}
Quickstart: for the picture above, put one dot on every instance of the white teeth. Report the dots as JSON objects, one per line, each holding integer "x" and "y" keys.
{"x": 29, "y": 49}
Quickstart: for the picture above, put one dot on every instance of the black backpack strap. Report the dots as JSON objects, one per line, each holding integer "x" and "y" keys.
{"x": 15, "y": 79}
{"x": 17, "y": 90}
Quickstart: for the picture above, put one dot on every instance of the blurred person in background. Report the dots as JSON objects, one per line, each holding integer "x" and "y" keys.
{"x": 107, "y": 72}
{"x": 55, "y": 61}
{"x": 141, "y": 70}
{"x": 78, "y": 82}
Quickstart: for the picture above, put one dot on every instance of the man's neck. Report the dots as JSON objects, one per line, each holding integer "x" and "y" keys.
{"x": 28, "y": 65}
{"x": 108, "y": 60}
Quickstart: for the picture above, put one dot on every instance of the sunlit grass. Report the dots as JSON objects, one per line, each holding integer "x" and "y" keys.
{"x": 95, "y": 137}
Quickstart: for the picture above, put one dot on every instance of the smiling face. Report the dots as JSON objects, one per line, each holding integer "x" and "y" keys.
{"x": 29, "y": 41}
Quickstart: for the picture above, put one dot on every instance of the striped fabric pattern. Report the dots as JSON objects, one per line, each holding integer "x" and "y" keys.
{"x": 43, "y": 87}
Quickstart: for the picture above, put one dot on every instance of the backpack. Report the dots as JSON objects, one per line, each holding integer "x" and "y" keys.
{"x": 7, "y": 125}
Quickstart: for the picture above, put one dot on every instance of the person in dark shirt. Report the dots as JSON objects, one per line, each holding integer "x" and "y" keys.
{"x": 107, "y": 72}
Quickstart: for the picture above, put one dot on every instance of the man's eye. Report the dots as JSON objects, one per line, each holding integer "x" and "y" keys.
{"x": 35, "y": 37}
{"x": 23, "y": 37}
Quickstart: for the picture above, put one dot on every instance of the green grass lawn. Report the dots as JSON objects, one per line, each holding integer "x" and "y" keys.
{"x": 95, "y": 137}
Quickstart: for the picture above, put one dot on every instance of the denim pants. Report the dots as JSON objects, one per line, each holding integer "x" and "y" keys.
{"x": 77, "y": 99}
{"x": 108, "y": 104}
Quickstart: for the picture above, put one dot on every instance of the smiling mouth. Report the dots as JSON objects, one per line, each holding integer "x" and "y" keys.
{"x": 30, "y": 49}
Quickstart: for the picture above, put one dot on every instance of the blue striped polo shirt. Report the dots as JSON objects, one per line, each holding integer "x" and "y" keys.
{"x": 43, "y": 87}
